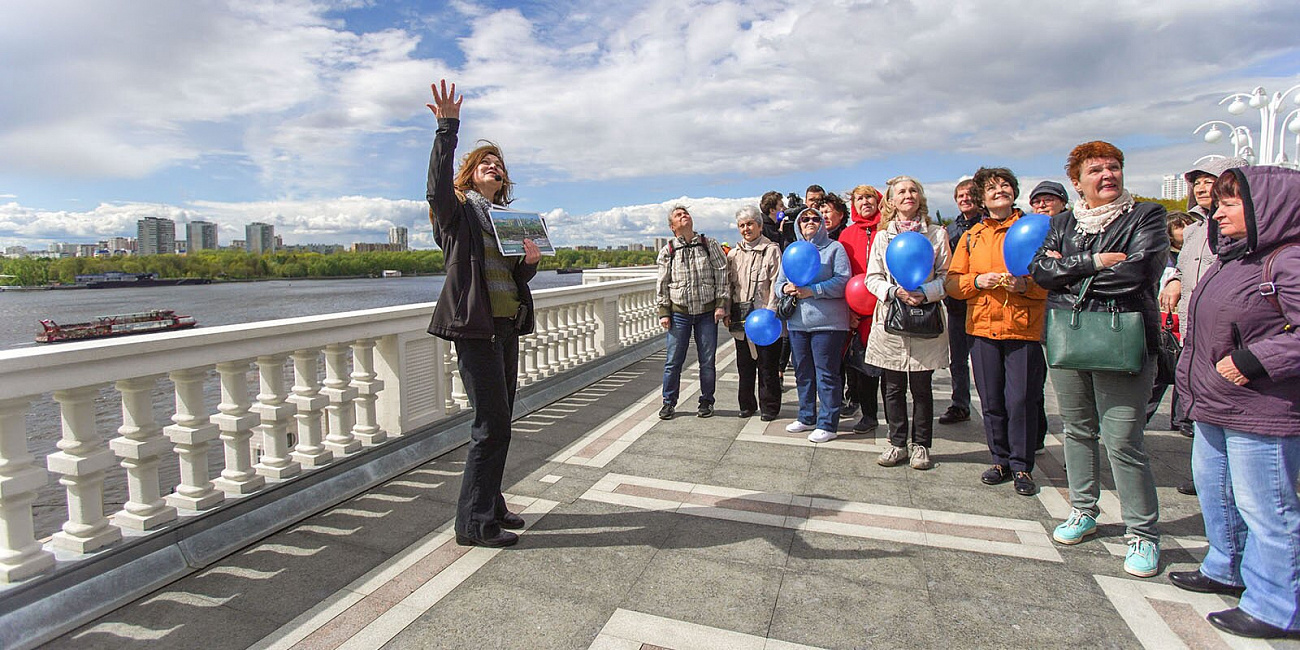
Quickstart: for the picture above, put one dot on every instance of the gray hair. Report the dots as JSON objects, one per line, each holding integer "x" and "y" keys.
{"x": 673, "y": 209}
{"x": 748, "y": 213}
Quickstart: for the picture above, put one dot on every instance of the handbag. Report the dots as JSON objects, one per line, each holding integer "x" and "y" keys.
{"x": 855, "y": 357}
{"x": 1109, "y": 340}
{"x": 922, "y": 321}
{"x": 1168, "y": 352}
{"x": 786, "y": 305}
{"x": 739, "y": 312}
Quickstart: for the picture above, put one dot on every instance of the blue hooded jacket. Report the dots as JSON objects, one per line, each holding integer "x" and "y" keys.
{"x": 826, "y": 309}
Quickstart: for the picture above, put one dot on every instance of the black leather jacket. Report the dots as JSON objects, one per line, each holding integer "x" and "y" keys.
{"x": 464, "y": 310}
{"x": 1139, "y": 233}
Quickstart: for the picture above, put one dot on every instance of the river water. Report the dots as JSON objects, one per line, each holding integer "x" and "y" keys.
{"x": 225, "y": 303}
{"x": 213, "y": 304}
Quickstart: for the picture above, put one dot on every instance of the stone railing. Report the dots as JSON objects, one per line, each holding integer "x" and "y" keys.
{"x": 358, "y": 379}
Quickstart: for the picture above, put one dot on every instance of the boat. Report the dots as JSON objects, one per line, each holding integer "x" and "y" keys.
{"x": 118, "y": 279}
{"x": 391, "y": 273}
{"x": 155, "y": 320}
{"x": 568, "y": 269}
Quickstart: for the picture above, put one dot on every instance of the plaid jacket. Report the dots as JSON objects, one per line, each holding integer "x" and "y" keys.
{"x": 693, "y": 277}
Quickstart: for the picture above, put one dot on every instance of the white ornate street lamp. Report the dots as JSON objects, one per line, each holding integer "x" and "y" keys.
{"x": 1272, "y": 130}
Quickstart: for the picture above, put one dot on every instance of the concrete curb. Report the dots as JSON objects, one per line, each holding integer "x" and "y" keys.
{"x": 46, "y": 607}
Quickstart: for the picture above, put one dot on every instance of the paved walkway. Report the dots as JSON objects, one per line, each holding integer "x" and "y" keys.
{"x": 697, "y": 534}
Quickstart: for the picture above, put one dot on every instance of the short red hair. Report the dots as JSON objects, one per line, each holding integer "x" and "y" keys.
{"x": 1087, "y": 150}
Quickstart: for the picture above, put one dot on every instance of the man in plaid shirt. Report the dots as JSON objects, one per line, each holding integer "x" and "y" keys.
{"x": 693, "y": 295}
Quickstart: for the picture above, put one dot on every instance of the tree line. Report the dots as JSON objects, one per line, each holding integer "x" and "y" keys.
{"x": 240, "y": 265}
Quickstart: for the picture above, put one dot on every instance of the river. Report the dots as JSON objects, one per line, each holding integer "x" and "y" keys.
{"x": 224, "y": 303}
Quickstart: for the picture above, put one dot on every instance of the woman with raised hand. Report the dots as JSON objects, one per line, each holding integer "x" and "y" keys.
{"x": 818, "y": 330}
{"x": 1004, "y": 317}
{"x": 907, "y": 361}
{"x": 1115, "y": 248}
{"x": 1240, "y": 373}
{"x": 752, "y": 265}
{"x": 484, "y": 307}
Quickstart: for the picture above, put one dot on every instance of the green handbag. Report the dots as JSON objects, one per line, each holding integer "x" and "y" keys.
{"x": 1110, "y": 340}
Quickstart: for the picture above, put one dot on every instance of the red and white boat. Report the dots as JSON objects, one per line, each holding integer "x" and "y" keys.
{"x": 156, "y": 320}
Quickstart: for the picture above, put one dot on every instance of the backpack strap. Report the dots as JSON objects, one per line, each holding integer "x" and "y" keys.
{"x": 1268, "y": 289}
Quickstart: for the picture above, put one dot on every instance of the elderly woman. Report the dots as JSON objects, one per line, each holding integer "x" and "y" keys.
{"x": 1118, "y": 246}
{"x": 1005, "y": 320}
{"x": 1240, "y": 373}
{"x": 484, "y": 307}
{"x": 751, "y": 266}
{"x": 907, "y": 361}
{"x": 818, "y": 330}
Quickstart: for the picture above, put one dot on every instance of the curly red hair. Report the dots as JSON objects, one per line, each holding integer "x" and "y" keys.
{"x": 1095, "y": 149}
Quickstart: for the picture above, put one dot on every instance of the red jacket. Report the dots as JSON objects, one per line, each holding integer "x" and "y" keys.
{"x": 856, "y": 240}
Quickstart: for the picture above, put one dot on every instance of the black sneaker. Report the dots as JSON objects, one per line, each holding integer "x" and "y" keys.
{"x": 767, "y": 417}
{"x": 953, "y": 415}
{"x": 746, "y": 413}
{"x": 1188, "y": 488}
{"x": 865, "y": 425}
{"x": 666, "y": 412}
{"x": 706, "y": 411}
{"x": 1025, "y": 485}
{"x": 996, "y": 475}
{"x": 848, "y": 409}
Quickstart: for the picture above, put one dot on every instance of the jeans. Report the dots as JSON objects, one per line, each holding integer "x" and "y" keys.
{"x": 817, "y": 356}
{"x": 1110, "y": 407}
{"x": 489, "y": 368}
{"x": 1246, "y": 485}
{"x": 1009, "y": 376}
{"x": 959, "y": 344}
{"x": 763, "y": 371}
{"x": 704, "y": 330}
{"x": 895, "y": 384}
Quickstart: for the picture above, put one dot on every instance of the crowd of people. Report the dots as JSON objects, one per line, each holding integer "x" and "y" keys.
{"x": 1227, "y": 270}
{"x": 1219, "y": 277}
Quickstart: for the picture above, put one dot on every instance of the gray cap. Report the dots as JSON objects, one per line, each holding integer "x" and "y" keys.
{"x": 1214, "y": 167}
{"x": 1050, "y": 187}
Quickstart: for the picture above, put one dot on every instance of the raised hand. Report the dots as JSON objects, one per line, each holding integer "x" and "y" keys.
{"x": 445, "y": 104}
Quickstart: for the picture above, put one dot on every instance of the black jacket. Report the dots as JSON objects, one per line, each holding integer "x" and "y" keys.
{"x": 958, "y": 227}
{"x": 463, "y": 310}
{"x": 1139, "y": 233}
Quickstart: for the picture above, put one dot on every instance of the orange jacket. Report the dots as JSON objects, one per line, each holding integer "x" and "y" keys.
{"x": 994, "y": 313}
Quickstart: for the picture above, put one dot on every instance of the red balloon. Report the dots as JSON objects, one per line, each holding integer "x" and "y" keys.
{"x": 860, "y": 300}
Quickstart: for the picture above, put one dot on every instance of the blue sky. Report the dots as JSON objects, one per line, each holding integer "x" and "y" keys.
{"x": 310, "y": 113}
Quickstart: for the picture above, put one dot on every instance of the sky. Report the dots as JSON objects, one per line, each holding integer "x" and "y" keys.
{"x": 310, "y": 114}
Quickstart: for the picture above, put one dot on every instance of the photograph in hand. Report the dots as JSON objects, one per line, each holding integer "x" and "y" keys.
{"x": 512, "y": 228}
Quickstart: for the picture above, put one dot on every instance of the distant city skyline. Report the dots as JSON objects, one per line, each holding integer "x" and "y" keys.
{"x": 309, "y": 116}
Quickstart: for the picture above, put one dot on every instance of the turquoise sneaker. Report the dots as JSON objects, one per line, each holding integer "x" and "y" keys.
{"x": 1143, "y": 558}
{"x": 1078, "y": 526}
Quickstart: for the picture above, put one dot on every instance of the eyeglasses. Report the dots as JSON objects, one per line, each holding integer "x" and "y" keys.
{"x": 809, "y": 219}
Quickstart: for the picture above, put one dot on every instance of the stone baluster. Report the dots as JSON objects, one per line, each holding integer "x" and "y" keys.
{"x": 340, "y": 413}
{"x": 545, "y": 338}
{"x": 368, "y": 385}
{"x": 448, "y": 376}
{"x": 571, "y": 335}
{"x": 192, "y": 433}
{"x": 21, "y": 556}
{"x": 624, "y": 326}
{"x": 141, "y": 447}
{"x": 81, "y": 463}
{"x": 521, "y": 362}
{"x": 236, "y": 424}
{"x": 589, "y": 328}
{"x": 555, "y": 340}
{"x": 536, "y": 343}
{"x": 310, "y": 450}
{"x": 274, "y": 414}
{"x": 459, "y": 397}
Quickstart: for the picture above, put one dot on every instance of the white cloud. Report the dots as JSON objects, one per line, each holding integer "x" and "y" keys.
{"x": 642, "y": 223}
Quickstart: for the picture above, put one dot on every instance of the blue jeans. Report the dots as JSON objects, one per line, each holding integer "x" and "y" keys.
{"x": 1246, "y": 485}
{"x": 817, "y": 357}
{"x": 705, "y": 332}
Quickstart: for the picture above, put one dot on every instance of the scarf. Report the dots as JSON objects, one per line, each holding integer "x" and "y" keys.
{"x": 1091, "y": 221}
{"x": 479, "y": 205}
{"x": 905, "y": 225}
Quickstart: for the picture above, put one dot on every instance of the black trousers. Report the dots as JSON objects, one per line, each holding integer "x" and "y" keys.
{"x": 1010, "y": 377}
{"x": 864, "y": 390}
{"x": 896, "y": 384}
{"x": 765, "y": 371}
{"x": 489, "y": 368}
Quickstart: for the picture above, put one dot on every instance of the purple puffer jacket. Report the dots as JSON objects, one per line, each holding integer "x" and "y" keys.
{"x": 1228, "y": 315}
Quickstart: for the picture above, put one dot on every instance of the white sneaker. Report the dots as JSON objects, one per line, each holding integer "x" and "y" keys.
{"x": 920, "y": 458}
{"x": 821, "y": 435}
{"x": 892, "y": 456}
{"x": 798, "y": 427}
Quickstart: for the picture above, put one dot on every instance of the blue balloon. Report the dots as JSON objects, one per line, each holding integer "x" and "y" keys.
{"x": 763, "y": 327}
{"x": 801, "y": 262}
{"x": 910, "y": 259}
{"x": 1024, "y": 238}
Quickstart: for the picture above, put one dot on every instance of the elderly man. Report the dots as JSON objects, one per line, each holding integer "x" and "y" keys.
{"x": 958, "y": 339}
{"x": 1048, "y": 198}
{"x": 693, "y": 295}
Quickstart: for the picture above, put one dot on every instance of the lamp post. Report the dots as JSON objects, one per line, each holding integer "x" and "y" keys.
{"x": 1272, "y": 129}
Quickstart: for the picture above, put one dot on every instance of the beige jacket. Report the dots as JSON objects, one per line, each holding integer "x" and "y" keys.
{"x": 900, "y": 353}
{"x": 751, "y": 268}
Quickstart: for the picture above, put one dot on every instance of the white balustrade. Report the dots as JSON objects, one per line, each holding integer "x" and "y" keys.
{"x": 141, "y": 448}
{"x": 310, "y": 450}
{"x": 296, "y": 429}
